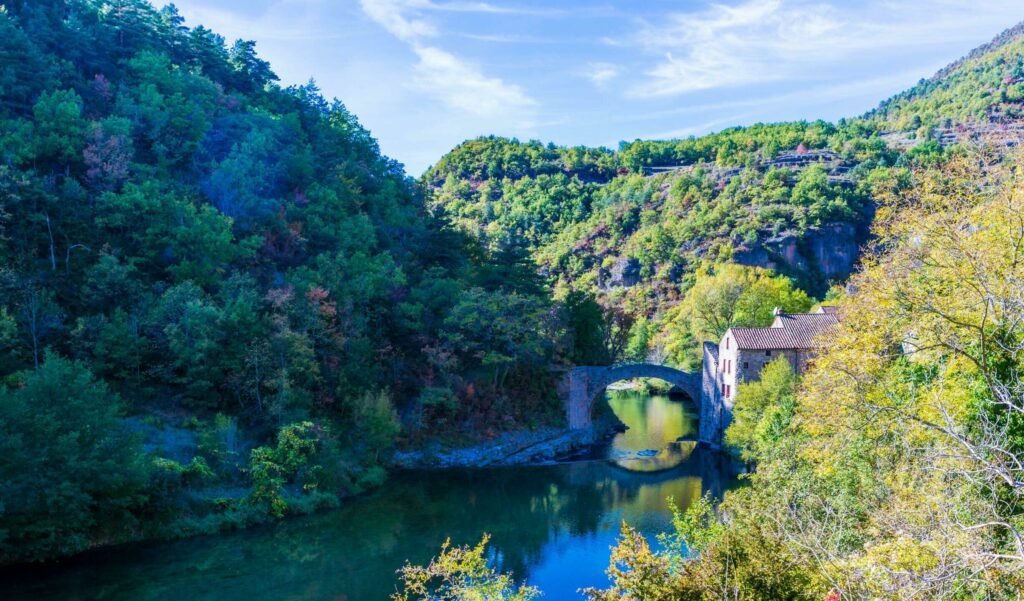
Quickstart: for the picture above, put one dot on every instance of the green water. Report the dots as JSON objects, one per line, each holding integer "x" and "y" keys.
{"x": 552, "y": 525}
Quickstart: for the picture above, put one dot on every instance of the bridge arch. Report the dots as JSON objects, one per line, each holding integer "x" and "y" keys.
{"x": 583, "y": 384}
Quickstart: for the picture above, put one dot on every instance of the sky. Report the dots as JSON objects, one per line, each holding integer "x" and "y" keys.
{"x": 424, "y": 75}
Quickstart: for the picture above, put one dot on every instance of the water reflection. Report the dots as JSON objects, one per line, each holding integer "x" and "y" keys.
{"x": 661, "y": 433}
{"x": 552, "y": 525}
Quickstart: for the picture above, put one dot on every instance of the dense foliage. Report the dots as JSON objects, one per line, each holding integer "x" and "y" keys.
{"x": 985, "y": 86}
{"x": 219, "y": 303}
{"x": 724, "y": 297}
{"x": 460, "y": 574}
{"x": 634, "y": 227}
{"x": 72, "y": 471}
{"x": 894, "y": 469}
{"x": 236, "y": 270}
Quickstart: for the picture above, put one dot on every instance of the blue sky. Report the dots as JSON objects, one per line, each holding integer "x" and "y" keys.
{"x": 424, "y": 75}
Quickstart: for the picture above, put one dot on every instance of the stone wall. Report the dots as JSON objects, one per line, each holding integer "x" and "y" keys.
{"x": 711, "y": 417}
{"x": 750, "y": 362}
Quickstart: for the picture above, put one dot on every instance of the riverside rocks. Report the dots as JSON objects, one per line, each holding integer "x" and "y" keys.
{"x": 523, "y": 447}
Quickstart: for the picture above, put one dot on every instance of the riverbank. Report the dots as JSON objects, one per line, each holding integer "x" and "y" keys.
{"x": 522, "y": 447}
{"x": 552, "y": 524}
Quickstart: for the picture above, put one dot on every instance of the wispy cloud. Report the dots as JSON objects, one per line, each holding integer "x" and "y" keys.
{"x": 758, "y": 41}
{"x": 600, "y": 74}
{"x": 399, "y": 18}
{"x": 486, "y": 7}
{"x": 463, "y": 86}
{"x": 458, "y": 83}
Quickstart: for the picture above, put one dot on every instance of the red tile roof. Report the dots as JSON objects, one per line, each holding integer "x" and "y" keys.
{"x": 790, "y": 331}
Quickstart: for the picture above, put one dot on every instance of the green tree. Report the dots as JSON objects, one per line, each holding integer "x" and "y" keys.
{"x": 587, "y": 329}
{"x": 281, "y": 474}
{"x": 60, "y": 128}
{"x": 72, "y": 472}
{"x": 374, "y": 418}
{"x": 729, "y": 295}
{"x": 764, "y": 409}
{"x": 641, "y": 336}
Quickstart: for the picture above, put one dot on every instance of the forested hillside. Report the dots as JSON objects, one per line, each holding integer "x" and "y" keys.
{"x": 979, "y": 96}
{"x": 892, "y": 467}
{"x": 218, "y": 300}
{"x": 220, "y": 303}
{"x": 637, "y": 227}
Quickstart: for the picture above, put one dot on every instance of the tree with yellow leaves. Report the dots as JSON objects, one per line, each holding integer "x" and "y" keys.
{"x": 899, "y": 472}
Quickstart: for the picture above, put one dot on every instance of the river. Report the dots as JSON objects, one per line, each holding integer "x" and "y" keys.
{"x": 552, "y": 525}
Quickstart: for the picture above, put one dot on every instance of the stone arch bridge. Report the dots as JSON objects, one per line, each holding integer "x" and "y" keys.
{"x": 582, "y": 385}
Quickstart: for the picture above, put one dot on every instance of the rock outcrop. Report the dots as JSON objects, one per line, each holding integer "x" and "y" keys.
{"x": 819, "y": 257}
{"x": 625, "y": 272}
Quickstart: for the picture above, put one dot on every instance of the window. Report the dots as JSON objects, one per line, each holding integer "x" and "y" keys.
{"x": 767, "y": 353}
{"x": 727, "y": 391}
{"x": 726, "y": 343}
{"x": 746, "y": 365}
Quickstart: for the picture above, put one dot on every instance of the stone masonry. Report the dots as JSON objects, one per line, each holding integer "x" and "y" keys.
{"x": 739, "y": 357}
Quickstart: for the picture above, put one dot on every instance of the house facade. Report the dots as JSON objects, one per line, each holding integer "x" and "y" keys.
{"x": 743, "y": 353}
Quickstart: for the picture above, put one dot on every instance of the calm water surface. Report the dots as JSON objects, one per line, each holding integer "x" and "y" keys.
{"x": 552, "y": 525}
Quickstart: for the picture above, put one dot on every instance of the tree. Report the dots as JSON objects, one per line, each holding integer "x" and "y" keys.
{"x": 40, "y": 316}
{"x": 295, "y": 466}
{"x": 71, "y": 472}
{"x": 587, "y": 329}
{"x": 637, "y": 572}
{"x": 727, "y": 296}
{"x": 60, "y": 128}
{"x": 460, "y": 574}
{"x": 256, "y": 71}
{"x": 373, "y": 417}
{"x": 922, "y": 381}
{"x": 641, "y": 335}
{"x": 497, "y": 332}
{"x": 764, "y": 409}
{"x": 899, "y": 474}
{"x": 8, "y": 339}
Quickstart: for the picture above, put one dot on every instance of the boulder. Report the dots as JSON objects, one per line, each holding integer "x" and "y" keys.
{"x": 625, "y": 273}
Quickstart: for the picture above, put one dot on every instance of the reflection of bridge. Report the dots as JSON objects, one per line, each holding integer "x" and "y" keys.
{"x": 583, "y": 385}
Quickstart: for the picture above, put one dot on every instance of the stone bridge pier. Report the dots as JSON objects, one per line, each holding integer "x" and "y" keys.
{"x": 584, "y": 384}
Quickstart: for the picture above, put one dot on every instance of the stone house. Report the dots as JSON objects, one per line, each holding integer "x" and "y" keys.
{"x": 743, "y": 353}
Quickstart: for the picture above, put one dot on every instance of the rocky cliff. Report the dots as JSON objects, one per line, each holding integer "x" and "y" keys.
{"x": 818, "y": 258}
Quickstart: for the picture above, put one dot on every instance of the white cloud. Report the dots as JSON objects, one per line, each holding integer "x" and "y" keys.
{"x": 758, "y": 41}
{"x": 601, "y": 73}
{"x": 733, "y": 45}
{"x": 405, "y": 20}
{"x": 463, "y": 86}
{"x": 459, "y": 84}
{"x": 392, "y": 16}
{"x": 486, "y": 7}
